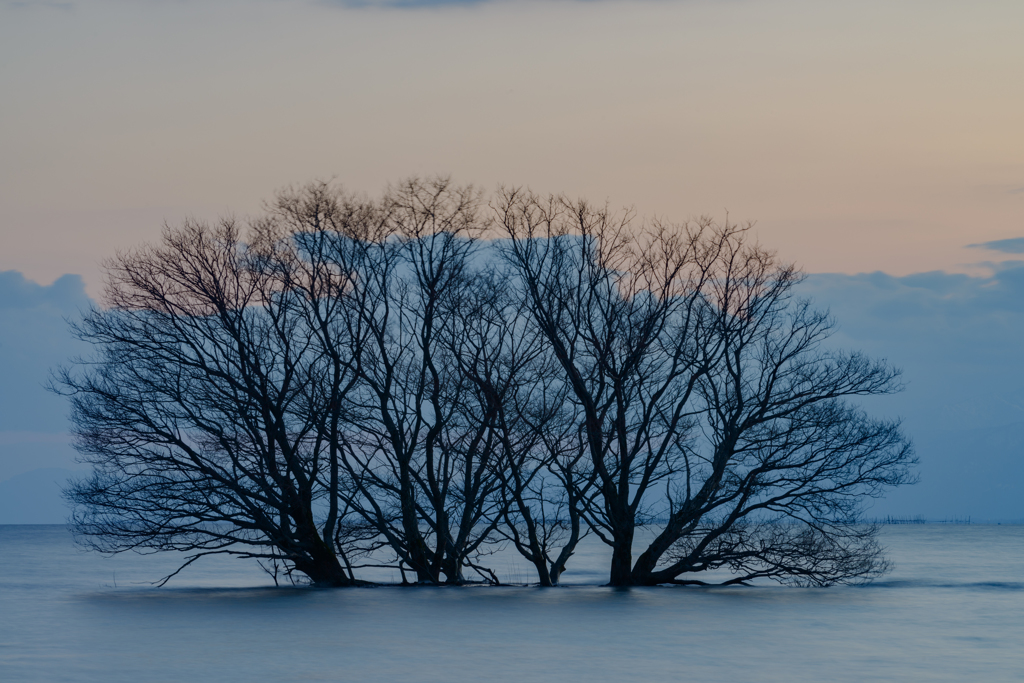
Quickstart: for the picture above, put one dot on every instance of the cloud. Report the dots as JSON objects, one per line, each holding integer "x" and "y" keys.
{"x": 960, "y": 343}
{"x": 34, "y": 337}
{"x": 959, "y": 340}
{"x": 953, "y": 333}
{"x": 405, "y": 4}
{"x": 415, "y": 4}
{"x": 1014, "y": 245}
{"x": 66, "y": 294}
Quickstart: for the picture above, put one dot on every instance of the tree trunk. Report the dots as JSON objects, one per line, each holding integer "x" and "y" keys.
{"x": 325, "y": 570}
{"x": 643, "y": 570}
{"x": 558, "y": 565}
{"x": 543, "y": 576}
{"x": 416, "y": 547}
{"x": 450, "y": 563}
{"x": 622, "y": 558}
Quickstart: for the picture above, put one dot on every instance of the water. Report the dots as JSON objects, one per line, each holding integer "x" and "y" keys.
{"x": 953, "y": 610}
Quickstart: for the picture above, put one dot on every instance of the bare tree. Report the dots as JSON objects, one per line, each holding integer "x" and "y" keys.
{"x": 204, "y": 409}
{"x": 420, "y": 448}
{"x": 516, "y": 385}
{"x": 775, "y": 485}
{"x": 704, "y": 396}
{"x": 368, "y": 383}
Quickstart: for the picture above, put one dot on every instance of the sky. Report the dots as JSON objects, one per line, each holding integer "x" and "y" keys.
{"x": 877, "y": 144}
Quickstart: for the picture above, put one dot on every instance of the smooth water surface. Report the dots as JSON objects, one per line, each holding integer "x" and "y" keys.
{"x": 952, "y": 610}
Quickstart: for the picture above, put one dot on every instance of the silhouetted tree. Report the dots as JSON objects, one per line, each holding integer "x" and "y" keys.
{"x": 419, "y": 442}
{"x": 365, "y": 382}
{"x": 515, "y": 382}
{"x": 706, "y": 399}
{"x": 207, "y": 408}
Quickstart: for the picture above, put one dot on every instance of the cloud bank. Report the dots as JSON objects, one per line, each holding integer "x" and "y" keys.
{"x": 960, "y": 343}
{"x": 34, "y": 338}
{"x": 958, "y": 339}
{"x": 1014, "y": 245}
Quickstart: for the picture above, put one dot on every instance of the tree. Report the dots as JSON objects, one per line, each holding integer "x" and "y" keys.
{"x": 530, "y": 420}
{"x": 363, "y": 382}
{"x": 204, "y": 411}
{"x": 698, "y": 377}
{"x": 419, "y": 444}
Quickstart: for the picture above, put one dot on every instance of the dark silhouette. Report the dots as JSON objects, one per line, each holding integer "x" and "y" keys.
{"x": 706, "y": 397}
{"x": 370, "y": 382}
{"x": 206, "y": 411}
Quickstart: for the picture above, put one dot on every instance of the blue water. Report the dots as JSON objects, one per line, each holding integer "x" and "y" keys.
{"x": 952, "y": 610}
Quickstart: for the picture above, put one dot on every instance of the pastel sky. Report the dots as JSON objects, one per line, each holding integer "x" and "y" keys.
{"x": 861, "y": 136}
{"x": 879, "y": 144}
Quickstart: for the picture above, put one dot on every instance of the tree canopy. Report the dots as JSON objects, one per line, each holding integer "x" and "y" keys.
{"x": 419, "y": 379}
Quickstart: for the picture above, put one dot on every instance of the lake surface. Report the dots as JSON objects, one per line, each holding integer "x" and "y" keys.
{"x": 952, "y": 610}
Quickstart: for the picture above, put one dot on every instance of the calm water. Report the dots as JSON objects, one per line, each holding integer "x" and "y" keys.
{"x": 953, "y": 610}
